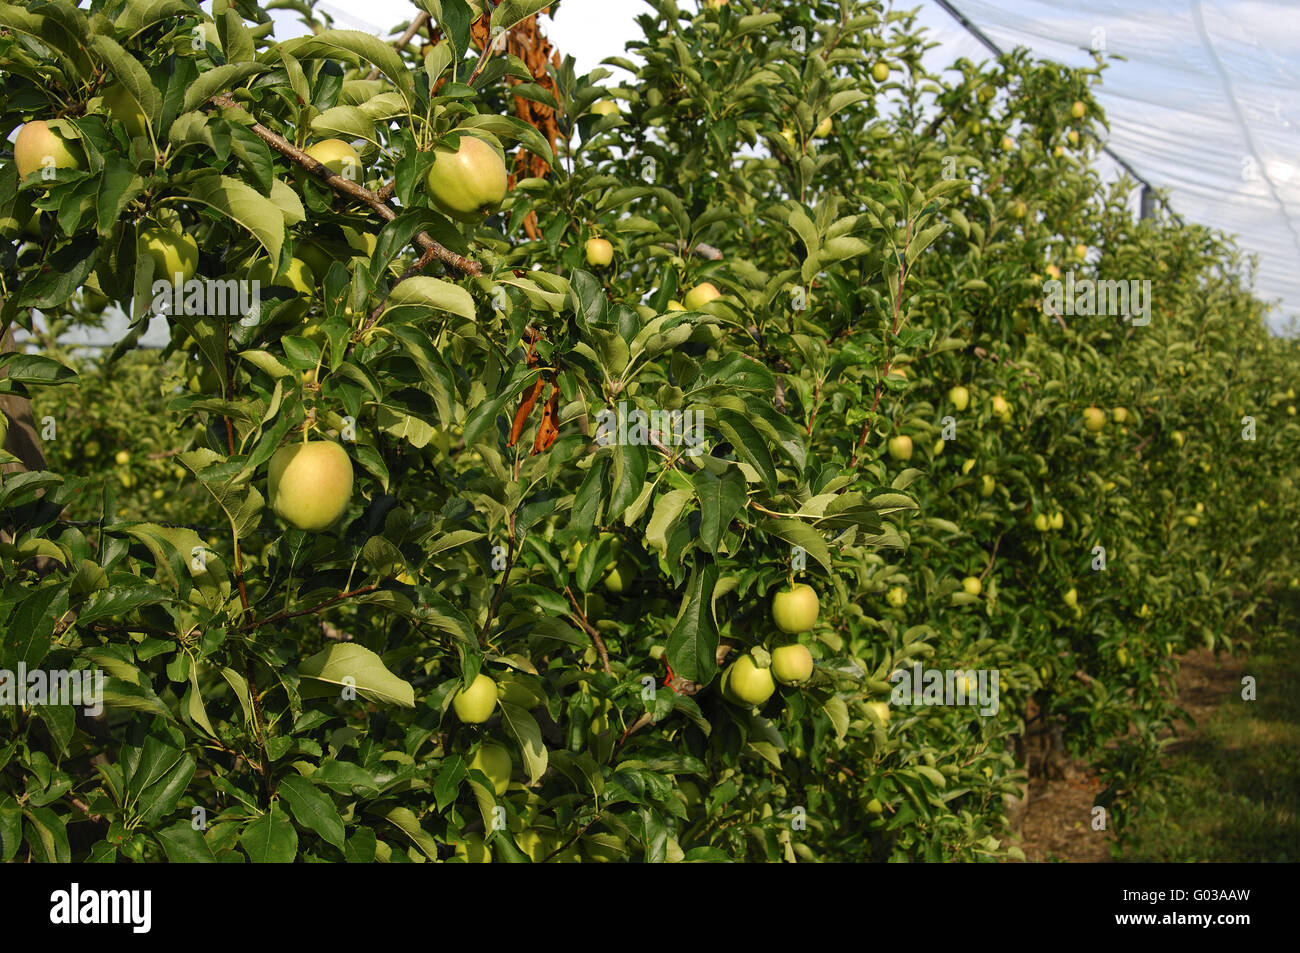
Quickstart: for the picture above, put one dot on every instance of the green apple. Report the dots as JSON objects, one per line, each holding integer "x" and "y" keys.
{"x": 605, "y": 107}
{"x": 469, "y": 182}
{"x": 1001, "y": 409}
{"x": 701, "y": 295}
{"x": 122, "y": 458}
{"x": 476, "y": 704}
{"x": 987, "y": 486}
{"x": 310, "y": 484}
{"x": 792, "y": 664}
{"x": 337, "y": 156}
{"x": 493, "y": 760}
{"x": 900, "y": 447}
{"x": 1042, "y": 523}
{"x": 749, "y": 683}
{"x": 972, "y": 585}
{"x": 1019, "y": 209}
{"x": 1008, "y": 143}
{"x": 795, "y": 609}
{"x": 875, "y": 807}
{"x": 967, "y": 466}
{"x": 173, "y": 254}
{"x": 1073, "y": 138}
{"x": 1057, "y": 520}
{"x": 1071, "y": 599}
{"x": 880, "y": 72}
{"x": 599, "y": 252}
{"x": 1119, "y": 415}
{"x": 1078, "y": 109}
{"x": 960, "y": 397}
{"x": 823, "y": 129}
{"x": 896, "y": 597}
{"x": 880, "y": 710}
{"x": 38, "y": 146}
{"x": 123, "y": 107}
{"x": 1094, "y": 419}
{"x": 316, "y": 258}
{"x": 297, "y": 276}
{"x": 616, "y": 579}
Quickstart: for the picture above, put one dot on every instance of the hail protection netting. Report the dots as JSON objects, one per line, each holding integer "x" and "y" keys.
{"x": 1202, "y": 99}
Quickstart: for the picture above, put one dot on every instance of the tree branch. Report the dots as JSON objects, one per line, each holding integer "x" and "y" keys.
{"x": 351, "y": 189}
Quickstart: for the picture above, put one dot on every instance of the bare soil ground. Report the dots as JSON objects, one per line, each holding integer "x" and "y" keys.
{"x": 1058, "y": 822}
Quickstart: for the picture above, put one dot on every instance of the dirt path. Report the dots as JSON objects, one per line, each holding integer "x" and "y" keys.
{"x": 1057, "y": 824}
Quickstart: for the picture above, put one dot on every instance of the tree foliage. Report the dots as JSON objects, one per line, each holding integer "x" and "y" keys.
{"x": 272, "y": 694}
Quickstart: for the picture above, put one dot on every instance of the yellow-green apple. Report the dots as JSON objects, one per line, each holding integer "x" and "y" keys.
{"x": 896, "y": 597}
{"x": 297, "y": 276}
{"x": 750, "y": 683}
{"x": 494, "y": 761}
{"x": 880, "y": 710}
{"x": 469, "y": 182}
{"x": 123, "y": 107}
{"x": 823, "y": 128}
{"x": 1001, "y": 409}
{"x": 1058, "y": 520}
{"x": 987, "y": 486}
{"x": 173, "y": 253}
{"x": 960, "y": 397}
{"x": 310, "y": 484}
{"x": 972, "y": 585}
{"x": 1119, "y": 415}
{"x": 337, "y": 156}
{"x": 900, "y": 447}
{"x": 880, "y": 72}
{"x": 474, "y": 705}
{"x": 37, "y": 146}
{"x": 795, "y": 609}
{"x": 1094, "y": 419}
{"x": 701, "y": 295}
{"x": 605, "y": 107}
{"x": 792, "y": 664}
{"x": 599, "y": 252}
{"x": 1071, "y": 598}
{"x": 1078, "y": 109}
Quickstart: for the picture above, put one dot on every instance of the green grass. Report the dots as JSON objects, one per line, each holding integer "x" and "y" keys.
{"x": 1236, "y": 786}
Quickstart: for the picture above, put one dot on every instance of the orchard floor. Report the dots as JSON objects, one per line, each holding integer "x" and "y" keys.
{"x": 1236, "y": 793}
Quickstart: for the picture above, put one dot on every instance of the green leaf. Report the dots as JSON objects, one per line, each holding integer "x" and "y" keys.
{"x": 184, "y": 845}
{"x": 271, "y": 839}
{"x": 721, "y": 499}
{"x": 312, "y": 808}
{"x": 132, "y": 75}
{"x": 355, "y": 666}
{"x": 526, "y": 731}
{"x": 668, "y": 507}
{"x": 254, "y": 212}
{"x": 364, "y": 46}
{"x": 435, "y": 294}
{"x": 693, "y": 643}
{"x": 800, "y": 534}
{"x": 36, "y": 369}
{"x": 748, "y": 445}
